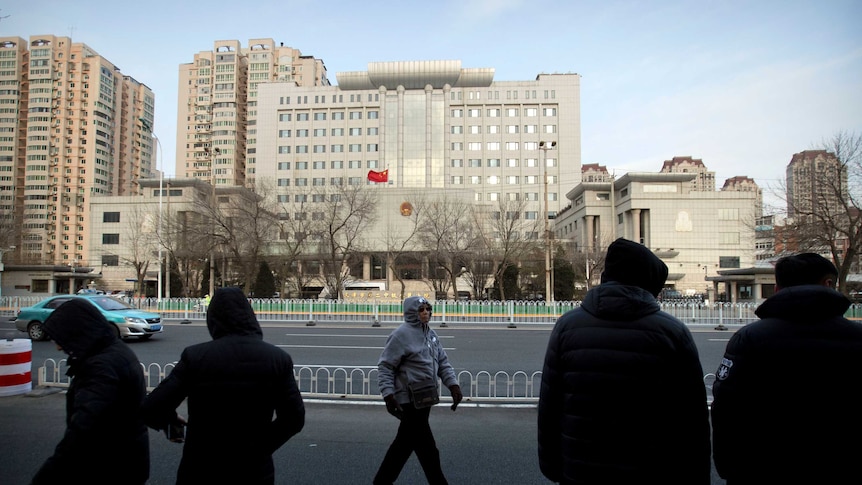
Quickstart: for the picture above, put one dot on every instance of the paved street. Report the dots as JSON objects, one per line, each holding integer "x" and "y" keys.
{"x": 342, "y": 443}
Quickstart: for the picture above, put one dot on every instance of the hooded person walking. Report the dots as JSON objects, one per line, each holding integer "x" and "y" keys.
{"x": 234, "y": 385}
{"x": 408, "y": 369}
{"x": 622, "y": 398}
{"x": 105, "y": 441}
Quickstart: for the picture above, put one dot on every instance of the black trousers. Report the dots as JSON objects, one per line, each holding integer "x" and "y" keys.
{"x": 414, "y": 434}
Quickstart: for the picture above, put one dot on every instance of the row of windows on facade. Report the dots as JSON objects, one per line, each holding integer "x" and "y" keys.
{"x": 455, "y": 113}
{"x": 114, "y": 239}
{"x": 454, "y": 180}
{"x": 455, "y": 163}
{"x": 455, "y": 95}
{"x": 491, "y": 146}
{"x": 374, "y": 131}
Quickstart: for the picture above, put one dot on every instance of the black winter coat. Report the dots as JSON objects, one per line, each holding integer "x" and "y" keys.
{"x": 787, "y": 396}
{"x": 622, "y": 398}
{"x": 234, "y": 384}
{"x": 105, "y": 441}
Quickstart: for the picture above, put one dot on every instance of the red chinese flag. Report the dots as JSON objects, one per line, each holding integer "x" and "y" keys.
{"x": 378, "y": 176}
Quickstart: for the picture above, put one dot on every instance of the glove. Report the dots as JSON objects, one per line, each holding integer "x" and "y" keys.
{"x": 455, "y": 390}
{"x": 392, "y": 406}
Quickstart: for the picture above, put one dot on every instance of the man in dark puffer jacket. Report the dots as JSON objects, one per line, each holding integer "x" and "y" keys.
{"x": 787, "y": 396}
{"x": 234, "y": 384}
{"x": 622, "y": 398}
{"x": 105, "y": 441}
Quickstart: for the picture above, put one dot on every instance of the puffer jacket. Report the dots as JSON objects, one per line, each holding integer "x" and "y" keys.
{"x": 105, "y": 440}
{"x": 622, "y": 397}
{"x": 413, "y": 353}
{"x": 234, "y": 384}
{"x": 786, "y": 395}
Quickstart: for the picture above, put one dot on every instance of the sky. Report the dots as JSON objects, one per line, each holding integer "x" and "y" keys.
{"x": 741, "y": 85}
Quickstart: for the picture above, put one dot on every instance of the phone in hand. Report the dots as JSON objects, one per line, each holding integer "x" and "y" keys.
{"x": 176, "y": 432}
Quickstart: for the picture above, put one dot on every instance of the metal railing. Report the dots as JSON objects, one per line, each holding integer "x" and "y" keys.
{"x": 360, "y": 382}
{"x": 510, "y": 313}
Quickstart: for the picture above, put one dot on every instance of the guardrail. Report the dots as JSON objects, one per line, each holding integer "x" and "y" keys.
{"x": 509, "y": 313}
{"x": 360, "y": 382}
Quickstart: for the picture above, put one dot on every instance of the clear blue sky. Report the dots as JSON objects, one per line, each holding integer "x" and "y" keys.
{"x": 742, "y": 85}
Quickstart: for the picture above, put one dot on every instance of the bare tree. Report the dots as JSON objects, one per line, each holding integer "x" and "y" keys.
{"x": 402, "y": 237}
{"x": 141, "y": 243}
{"x": 828, "y": 219}
{"x": 507, "y": 235}
{"x": 346, "y": 212}
{"x": 448, "y": 234}
{"x": 296, "y": 230}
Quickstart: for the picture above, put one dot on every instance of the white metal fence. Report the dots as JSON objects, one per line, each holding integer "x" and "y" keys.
{"x": 360, "y": 382}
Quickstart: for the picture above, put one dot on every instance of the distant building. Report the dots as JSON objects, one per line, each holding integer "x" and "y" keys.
{"x": 741, "y": 183}
{"x": 815, "y": 180}
{"x": 593, "y": 172}
{"x": 696, "y": 233}
{"x": 703, "y": 182}
{"x": 218, "y": 105}
{"x": 76, "y": 129}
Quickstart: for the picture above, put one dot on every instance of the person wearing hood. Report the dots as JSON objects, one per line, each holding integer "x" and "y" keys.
{"x": 413, "y": 356}
{"x": 105, "y": 440}
{"x": 234, "y": 384}
{"x": 622, "y": 398}
{"x": 786, "y": 398}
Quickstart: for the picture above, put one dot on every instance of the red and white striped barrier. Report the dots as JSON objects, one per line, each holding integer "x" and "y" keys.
{"x": 15, "y": 363}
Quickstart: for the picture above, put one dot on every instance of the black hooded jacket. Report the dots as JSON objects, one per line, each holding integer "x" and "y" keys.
{"x": 234, "y": 384}
{"x": 105, "y": 440}
{"x": 786, "y": 395}
{"x": 622, "y": 397}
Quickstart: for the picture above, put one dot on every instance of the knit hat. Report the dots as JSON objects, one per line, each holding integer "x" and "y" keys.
{"x": 632, "y": 264}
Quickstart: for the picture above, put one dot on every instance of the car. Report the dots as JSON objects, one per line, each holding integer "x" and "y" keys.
{"x": 129, "y": 321}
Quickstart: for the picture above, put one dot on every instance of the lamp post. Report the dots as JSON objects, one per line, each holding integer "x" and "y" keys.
{"x": 544, "y": 146}
{"x": 215, "y": 152}
{"x": 146, "y": 125}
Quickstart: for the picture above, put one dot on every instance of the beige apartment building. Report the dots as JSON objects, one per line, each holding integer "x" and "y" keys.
{"x": 218, "y": 105}
{"x": 696, "y": 233}
{"x": 74, "y": 128}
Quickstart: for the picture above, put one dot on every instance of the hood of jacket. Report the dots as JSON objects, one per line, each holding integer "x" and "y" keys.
{"x": 804, "y": 302}
{"x": 79, "y": 328}
{"x": 633, "y": 264}
{"x": 411, "y": 308}
{"x": 229, "y": 313}
{"x": 615, "y": 301}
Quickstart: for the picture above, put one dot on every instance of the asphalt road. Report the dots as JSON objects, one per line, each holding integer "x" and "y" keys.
{"x": 341, "y": 443}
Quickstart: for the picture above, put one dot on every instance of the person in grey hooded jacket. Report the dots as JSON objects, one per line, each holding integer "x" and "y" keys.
{"x": 622, "y": 398}
{"x": 234, "y": 385}
{"x": 105, "y": 440}
{"x": 413, "y": 354}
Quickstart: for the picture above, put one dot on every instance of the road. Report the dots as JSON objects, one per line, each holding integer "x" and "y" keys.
{"x": 469, "y": 348}
{"x": 341, "y": 444}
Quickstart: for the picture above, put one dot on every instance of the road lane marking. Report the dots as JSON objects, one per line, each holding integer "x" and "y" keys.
{"x": 352, "y": 347}
{"x": 348, "y": 335}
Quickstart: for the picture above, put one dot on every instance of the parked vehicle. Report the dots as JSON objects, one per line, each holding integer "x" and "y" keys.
{"x": 129, "y": 321}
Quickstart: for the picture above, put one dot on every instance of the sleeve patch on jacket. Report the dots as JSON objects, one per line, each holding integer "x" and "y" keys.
{"x": 724, "y": 369}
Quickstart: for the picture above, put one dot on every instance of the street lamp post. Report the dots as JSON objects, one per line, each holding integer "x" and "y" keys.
{"x": 215, "y": 152}
{"x": 159, "y": 160}
{"x": 544, "y": 146}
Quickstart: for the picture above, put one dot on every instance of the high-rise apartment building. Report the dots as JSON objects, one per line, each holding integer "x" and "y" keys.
{"x": 74, "y": 127}
{"x": 815, "y": 180}
{"x": 742, "y": 183}
{"x": 705, "y": 180}
{"x": 429, "y": 125}
{"x": 218, "y": 105}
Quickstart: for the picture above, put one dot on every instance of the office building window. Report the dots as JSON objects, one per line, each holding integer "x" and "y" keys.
{"x": 110, "y": 239}
{"x": 111, "y": 217}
